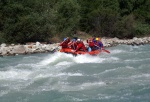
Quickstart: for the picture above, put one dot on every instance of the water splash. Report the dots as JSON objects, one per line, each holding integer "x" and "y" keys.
{"x": 123, "y": 74}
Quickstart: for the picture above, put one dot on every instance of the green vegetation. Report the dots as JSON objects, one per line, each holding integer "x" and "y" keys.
{"x": 24, "y": 21}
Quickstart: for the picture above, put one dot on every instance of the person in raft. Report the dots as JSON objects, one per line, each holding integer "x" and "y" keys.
{"x": 80, "y": 46}
{"x": 64, "y": 44}
{"x": 73, "y": 44}
{"x": 98, "y": 44}
{"x": 90, "y": 44}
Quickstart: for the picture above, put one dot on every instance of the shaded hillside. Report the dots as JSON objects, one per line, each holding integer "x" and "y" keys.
{"x": 40, "y": 20}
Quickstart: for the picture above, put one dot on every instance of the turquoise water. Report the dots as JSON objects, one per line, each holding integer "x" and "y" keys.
{"x": 121, "y": 76}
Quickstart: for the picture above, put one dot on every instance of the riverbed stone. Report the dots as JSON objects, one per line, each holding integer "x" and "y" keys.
{"x": 19, "y": 49}
{"x": 3, "y": 45}
{"x": 4, "y": 50}
{"x": 38, "y": 47}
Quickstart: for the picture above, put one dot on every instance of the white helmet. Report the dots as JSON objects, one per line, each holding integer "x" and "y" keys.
{"x": 78, "y": 40}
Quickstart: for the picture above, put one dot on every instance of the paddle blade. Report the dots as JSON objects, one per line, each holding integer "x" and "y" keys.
{"x": 105, "y": 50}
{"x": 54, "y": 50}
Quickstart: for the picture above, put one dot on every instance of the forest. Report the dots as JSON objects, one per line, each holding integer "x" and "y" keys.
{"x": 24, "y": 21}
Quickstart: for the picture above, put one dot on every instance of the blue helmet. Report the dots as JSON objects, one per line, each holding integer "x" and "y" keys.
{"x": 65, "y": 39}
{"x": 94, "y": 40}
{"x": 73, "y": 40}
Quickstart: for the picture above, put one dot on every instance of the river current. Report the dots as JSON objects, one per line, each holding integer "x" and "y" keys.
{"x": 121, "y": 76}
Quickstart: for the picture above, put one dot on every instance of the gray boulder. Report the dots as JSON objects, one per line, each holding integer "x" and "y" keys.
{"x": 19, "y": 49}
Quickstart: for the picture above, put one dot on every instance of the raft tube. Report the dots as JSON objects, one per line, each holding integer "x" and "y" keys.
{"x": 71, "y": 51}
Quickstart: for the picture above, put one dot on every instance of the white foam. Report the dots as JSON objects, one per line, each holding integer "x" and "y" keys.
{"x": 50, "y": 59}
{"x": 14, "y": 74}
{"x": 56, "y": 59}
{"x": 63, "y": 86}
{"x": 2, "y": 93}
{"x": 87, "y": 59}
{"x": 141, "y": 76}
{"x": 69, "y": 74}
{"x": 117, "y": 51}
{"x": 94, "y": 84}
{"x": 109, "y": 59}
{"x": 109, "y": 70}
{"x": 64, "y": 63}
{"x": 62, "y": 59}
{"x": 57, "y": 75}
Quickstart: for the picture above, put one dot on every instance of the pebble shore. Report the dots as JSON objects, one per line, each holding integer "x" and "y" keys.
{"x": 30, "y": 48}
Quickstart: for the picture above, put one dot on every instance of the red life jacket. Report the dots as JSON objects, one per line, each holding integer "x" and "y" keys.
{"x": 64, "y": 44}
{"x": 81, "y": 46}
{"x": 73, "y": 45}
{"x": 91, "y": 44}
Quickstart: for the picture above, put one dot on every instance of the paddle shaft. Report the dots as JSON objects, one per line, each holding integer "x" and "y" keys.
{"x": 58, "y": 46}
{"x": 102, "y": 49}
{"x": 106, "y": 50}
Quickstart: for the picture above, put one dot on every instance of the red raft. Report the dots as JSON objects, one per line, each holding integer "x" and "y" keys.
{"x": 71, "y": 51}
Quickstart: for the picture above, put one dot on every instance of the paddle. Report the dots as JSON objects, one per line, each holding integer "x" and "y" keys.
{"x": 102, "y": 49}
{"x": 106, "y": 50}
{"x": 72, "y": 44}
{"x": 54, "y": 50}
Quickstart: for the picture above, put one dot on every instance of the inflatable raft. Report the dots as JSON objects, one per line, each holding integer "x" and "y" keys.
{"x": 71, "y": 51}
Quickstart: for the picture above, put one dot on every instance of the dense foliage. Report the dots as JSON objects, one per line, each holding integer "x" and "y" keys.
{"x": 39, "y": 20}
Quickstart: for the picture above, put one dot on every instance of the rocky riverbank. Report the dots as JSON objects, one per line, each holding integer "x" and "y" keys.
{"x": 30, "y": 48}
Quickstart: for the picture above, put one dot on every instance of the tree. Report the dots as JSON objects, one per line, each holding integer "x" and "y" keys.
{"x": 67, "y": 16}
{"x": 25, "y": 20}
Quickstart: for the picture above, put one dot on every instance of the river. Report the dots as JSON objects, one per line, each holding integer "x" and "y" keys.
{"x": 121, "y": 76}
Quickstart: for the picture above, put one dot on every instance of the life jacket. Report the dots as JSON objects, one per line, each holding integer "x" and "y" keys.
{"x": 81, "y": 47}
{"x": 64, "y": 44}
{"x": 89, "y": 40}
{"x": 72, "y": 45}
{"x": 98, "y": 45}
{"x": 91, "y": 44}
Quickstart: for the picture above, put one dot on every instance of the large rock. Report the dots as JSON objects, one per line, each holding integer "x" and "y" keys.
{"x": 38, "y": 45}
{"x": 3, "y": 45}
{"x": 4, "y": 50}
{"x": 28, "y": 48}
{"x": 19, "y": 49}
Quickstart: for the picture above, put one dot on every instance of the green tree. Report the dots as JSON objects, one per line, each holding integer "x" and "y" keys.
{"x": 38, "y": 20}
{"x": 99, "y": 16}
{"x": 68, "y": 17}
{"x": 27, "y": 20}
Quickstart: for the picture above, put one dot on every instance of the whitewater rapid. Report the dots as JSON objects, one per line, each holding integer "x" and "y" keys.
{"x": 122, "y": 75}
